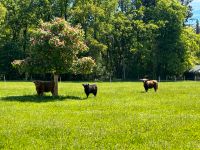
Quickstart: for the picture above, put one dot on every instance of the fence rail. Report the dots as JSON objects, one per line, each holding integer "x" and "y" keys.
{"x": 159, "y": 79}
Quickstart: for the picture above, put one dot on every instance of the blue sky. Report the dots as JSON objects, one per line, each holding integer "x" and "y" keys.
{"x": 196, "y": 9}
{"x": 196, "y": 12}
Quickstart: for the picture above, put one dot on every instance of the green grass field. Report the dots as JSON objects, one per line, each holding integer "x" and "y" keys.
{"x": 122, "y": 116}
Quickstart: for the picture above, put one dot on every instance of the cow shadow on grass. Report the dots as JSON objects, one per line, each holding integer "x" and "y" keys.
{"x": 40, "y": 99}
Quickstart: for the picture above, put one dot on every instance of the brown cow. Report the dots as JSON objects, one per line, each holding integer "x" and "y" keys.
{"x": 44, "y": 86}
{"x": 148, "y": 84}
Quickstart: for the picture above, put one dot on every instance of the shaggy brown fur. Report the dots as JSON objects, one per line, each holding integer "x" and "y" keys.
{"x": 90, "y": 89}
{"x": 148, "y": 84}
{"x": 44, "y": 86}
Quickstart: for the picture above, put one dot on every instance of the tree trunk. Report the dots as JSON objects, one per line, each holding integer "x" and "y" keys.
{"x": 25, "y": 40}
{"x": 56, "y": 85}
{"x": 124, "y": 69}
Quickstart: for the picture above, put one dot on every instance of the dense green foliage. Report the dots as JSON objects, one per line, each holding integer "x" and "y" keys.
{"x": 128, "y": 39}
{"x": 55, "y": 47}
{"x": 122, "y": 116}
{"x": 2, "y": 13}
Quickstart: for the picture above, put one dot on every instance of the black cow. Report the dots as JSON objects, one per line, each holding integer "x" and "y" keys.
{"x": 90, "y": 89}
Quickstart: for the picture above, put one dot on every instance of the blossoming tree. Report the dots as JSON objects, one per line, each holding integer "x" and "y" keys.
{"x": 55, "y": 47}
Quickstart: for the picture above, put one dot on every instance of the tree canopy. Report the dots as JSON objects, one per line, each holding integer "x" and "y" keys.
{"x": 127, "y": 39}
{"x": 55, "y": 47}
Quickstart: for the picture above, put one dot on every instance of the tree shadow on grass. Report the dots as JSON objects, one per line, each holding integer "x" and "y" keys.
{"x": 40, "y": 99}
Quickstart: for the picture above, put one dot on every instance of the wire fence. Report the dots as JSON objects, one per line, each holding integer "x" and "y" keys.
{"x": 159, "y": 79}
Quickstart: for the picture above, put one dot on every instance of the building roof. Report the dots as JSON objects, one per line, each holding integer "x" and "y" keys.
{"x": 195, "y": 69}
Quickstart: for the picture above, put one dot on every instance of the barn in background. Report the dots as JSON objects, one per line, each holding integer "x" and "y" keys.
{"x": 193, "y": 74}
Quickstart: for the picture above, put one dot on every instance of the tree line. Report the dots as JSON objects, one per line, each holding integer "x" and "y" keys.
{"x": 127, "y": 39}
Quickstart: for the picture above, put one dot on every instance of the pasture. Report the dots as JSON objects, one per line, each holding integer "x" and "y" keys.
{"x": 122, "y": 116}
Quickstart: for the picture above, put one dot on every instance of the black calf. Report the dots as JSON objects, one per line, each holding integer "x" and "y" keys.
{"x": 90, "y": 89}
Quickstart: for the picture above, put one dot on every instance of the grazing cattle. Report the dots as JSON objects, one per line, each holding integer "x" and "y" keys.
{"x": 44, "y": 86}
{"x": 90, "y": 89}
{"x": 148, "y": 84}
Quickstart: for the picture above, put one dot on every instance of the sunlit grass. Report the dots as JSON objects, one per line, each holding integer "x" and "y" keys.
{"x": 122, "y": 116}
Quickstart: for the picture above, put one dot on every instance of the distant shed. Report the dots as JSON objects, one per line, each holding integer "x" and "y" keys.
{"x": 193, "y": 74}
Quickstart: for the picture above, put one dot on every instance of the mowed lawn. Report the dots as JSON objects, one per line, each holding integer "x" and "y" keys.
{"x": 122, "y": 116}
